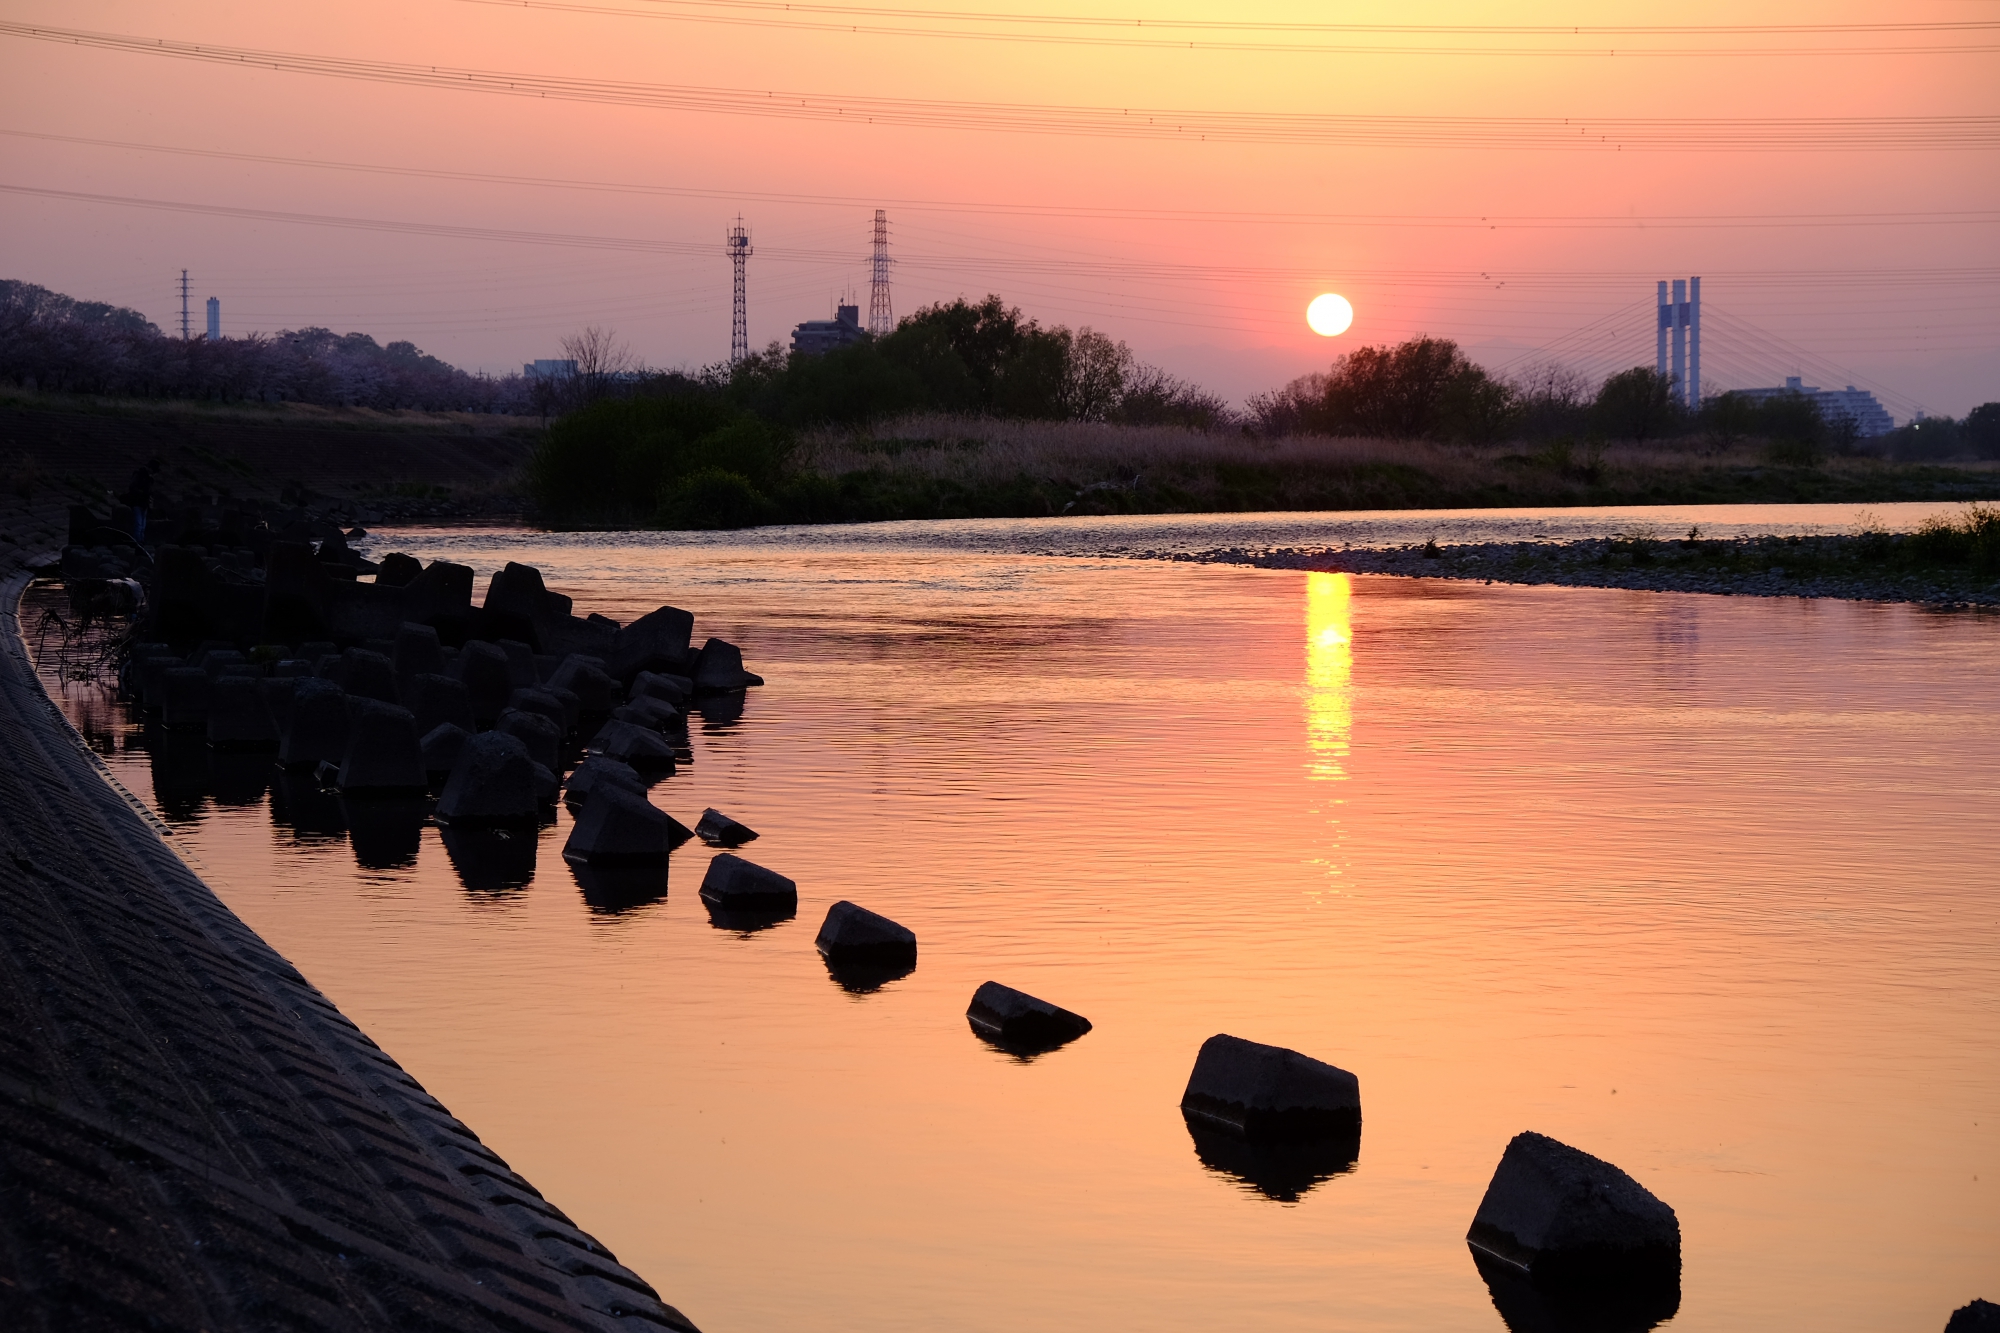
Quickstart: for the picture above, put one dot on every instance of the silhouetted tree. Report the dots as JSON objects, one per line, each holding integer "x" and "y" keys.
{"x": 1637, "y": 404}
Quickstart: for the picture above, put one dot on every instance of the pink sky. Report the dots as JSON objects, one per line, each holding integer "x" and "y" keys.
{"x": 1074, "y": 228}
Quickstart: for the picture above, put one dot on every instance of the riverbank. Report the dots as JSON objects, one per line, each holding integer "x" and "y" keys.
{"x": 193, "y": 1137}
{"x": 1869, "y": 566}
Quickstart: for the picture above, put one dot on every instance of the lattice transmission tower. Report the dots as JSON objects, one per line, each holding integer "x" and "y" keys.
{"x": 881, "y": 319}
{"x": 739, "y": 257}
{"x": 184, "y": 305}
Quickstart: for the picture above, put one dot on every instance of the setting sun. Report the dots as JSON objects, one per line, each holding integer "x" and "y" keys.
{"x": 1330, "y": 315}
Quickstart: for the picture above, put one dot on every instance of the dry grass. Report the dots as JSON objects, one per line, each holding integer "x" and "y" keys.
{"x": 194, "y": 411}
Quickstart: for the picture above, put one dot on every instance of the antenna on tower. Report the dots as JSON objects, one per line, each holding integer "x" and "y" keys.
{"x": 880, "y": 319}
{"x": 739, "y": 255}
{"x": 184, "y": 305}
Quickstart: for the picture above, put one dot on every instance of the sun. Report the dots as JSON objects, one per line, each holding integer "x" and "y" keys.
{"x": 1329, "y": 315}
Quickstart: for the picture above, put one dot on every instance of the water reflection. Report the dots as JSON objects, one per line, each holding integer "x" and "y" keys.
{"x": 615, "y": 890}
{"x": 866, "y": 978}
{"x": 1527, "y": 1306}
{"x": 719, "y": 712}
{"x": 237, "y": 778}
{"x": 179, "y": 761}
{"x": 1280, "y": 1171}
{"x": 492, "y": 862}
{"x": 1329, "y": 701}
{"x": 386, "y": 832}
{"x": 299, "y": 803}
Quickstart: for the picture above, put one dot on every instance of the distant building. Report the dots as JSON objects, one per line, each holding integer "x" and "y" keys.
{"x": 817, "y": 336}
{"x": 214, "y": 320}
{"x": 1856, "y": 405}
{"x": 550, "y": 370}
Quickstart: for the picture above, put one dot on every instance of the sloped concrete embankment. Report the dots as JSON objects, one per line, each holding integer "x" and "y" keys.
{"x": 192, "y": 1137}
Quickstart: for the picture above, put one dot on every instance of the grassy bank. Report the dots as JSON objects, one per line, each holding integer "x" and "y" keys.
{"x": 947, "y": 467}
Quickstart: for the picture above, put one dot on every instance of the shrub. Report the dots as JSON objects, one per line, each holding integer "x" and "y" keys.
{"x": 713, "y": 498}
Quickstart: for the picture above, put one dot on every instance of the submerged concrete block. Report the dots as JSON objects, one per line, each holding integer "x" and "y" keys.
{"x": 656, "y": 641}
{"x": 619, "y": 828}
{"x": 853, "y": 935}
{"x": 544, "y": 702}
{"x": 669, "y": 689}
{"x": 1268, "y": 1094}
{"x": 1557, "y": 1214}
{"x": 417, "y": 651}
{"x": 493, "y": 782}
{"x": 719, "y": 669}
{"x": 442, "y": 745}
{"x": 596, "y": 692}
{"x": 184, "y": 695}
{"x": 437, "y": 699}
{"x": 384, "y": 755}
{"x": 237, "y": 716}
{"x": 650, "y": 713}
{"x": 317, "y": 732}
{"x": 367, "y": 674}
{"x": 1020, "y": 1022}
{"x": 736, "y": 885}
{"x": 719, "y": 830}
{"x": 597, "y": 772}
{"x": 1978, "y": 1317}
{"x": 635, "y": 745}
{"x": 542, "y": 736}
{"x": 488, "y": 679}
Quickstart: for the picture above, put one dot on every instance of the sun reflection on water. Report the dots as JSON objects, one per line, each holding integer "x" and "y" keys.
{"x": 1329, "y": 673}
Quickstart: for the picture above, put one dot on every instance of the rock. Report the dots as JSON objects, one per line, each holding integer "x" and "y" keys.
{"x": 652, "y": 714}
{"x": 719, "y": 669}
{"x": 184, "y": 693}
{"x": 733, "y": 884}
{"x": 598, "y": 771}
{"x": 398, "y": 570}
{"x": 417, "y": 651}
{"x": 493, "y": 782}
{"x": 634, "y": 745}
{"x": 596, "y": 692}
{"x": 675, "y": 690}
{"x": 237, "y": 716}
{"x": 542, "y": 736}
{"x": 1267, "y": 1094}
{"x": 656, "y": 641}
{"x": 1558, "y": 1215}
{"x": 317, "y": 732}
{"x": 719, "y": 830}
{"x": 1978, "y": 1317}
{"x": 438, "y": 699}
{"x": 618, "y": 828}
{"x": 488, "y": 679}
{"x": 854, "y": 935}
{"x": 544, "y": 702}
{"x": 441, "y": 746}
{"x": 1020, "y": 1022}
{"x": 384, "y": 756}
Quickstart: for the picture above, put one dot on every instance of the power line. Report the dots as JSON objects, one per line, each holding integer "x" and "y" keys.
{"x": 1400, "y": 221}
{"x": 1586, "y": 41}
{"x": 1606, "y": 134}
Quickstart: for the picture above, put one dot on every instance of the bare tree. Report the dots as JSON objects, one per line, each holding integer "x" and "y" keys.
{"x": 600, "y": 360}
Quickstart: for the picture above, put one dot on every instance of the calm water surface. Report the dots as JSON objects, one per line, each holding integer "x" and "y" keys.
{"x": 1706, "y": 886}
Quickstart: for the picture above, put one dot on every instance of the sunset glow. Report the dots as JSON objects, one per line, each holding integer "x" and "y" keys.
{"x": 1330, "y": 315}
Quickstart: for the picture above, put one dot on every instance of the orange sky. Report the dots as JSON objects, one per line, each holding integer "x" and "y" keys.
{"x": 1220, "y": 298}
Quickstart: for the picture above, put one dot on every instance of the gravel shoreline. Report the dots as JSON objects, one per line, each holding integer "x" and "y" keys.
{"x": 1837, "y": 567}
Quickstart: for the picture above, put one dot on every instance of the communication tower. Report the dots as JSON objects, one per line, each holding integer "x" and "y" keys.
{"x": 880, "y": 319}
{"x": 739, "y": 257}
{"x": 184, "y": 305}
{"x": 1681, "y": 317}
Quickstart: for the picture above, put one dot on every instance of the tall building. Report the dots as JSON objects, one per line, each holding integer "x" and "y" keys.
{"x": 1857, "y": 405}
{"x": 823, "y": 335}
{"x": 214, "y": 320}
{"x": 548, "y": 369}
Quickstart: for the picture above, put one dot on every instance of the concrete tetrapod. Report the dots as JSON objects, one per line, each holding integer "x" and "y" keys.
{"x": 317, "y": 732}
{"x": 1977, "y": 1317}
{"x": 1560, "y": 1228}
{"x": 541, "y": 735}
{"x": 719, "y": 830}
{"x": 598, "y": 772}
{"x": 441, "y": 746}
{"x": 668, "y": 689}
{"x": 184, "y": 698}
{"x": 596, "y": 693}
{"x": 864, "y": 950}
{"x": 742, "y": 895}
{"x": 384, "y": 756}
{"x": 634, "y": 745}
{"x": 618, "y": 828}
{"x": 493, "y": 782}
{"x": 719, "y": 669}
{"x": 1018, "y": 1022}
{"x": 436, "y": 699}
{"x": 1270, "y": 1094}
{"x": 237, "y": 716}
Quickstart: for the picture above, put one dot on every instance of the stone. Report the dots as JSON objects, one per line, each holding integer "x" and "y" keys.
{"x": 635, "y": 745}
{"x": 597, "y": 772}
{"x": 618, "y": 828}
{"x": 184, "y": 694}
{"x": 596, "y": 692}
{"x": 441, "y": 746}
{"x": 854, "y": 935}
{"x": 656, "y": 641}
{"x": 417, "y": 651}
{"x": 493, "y": 783}
{"x": 733, "y": 884}
{"x": 719, "y": 830}
{"x": 1555, "y": 1214}
{"x": 719, "y": 669}
{"x": 1268, "y": 1094}
{"x": 652, "y": 714}
{"x": 317, "y": 731}
{"x": 437, "y": 699}
{"x": 1019, "y": 1022}
{"x": 482, "y": 667}
{"x": 384, "y": 756}
{"x": 542, "y": 736}
{"x": 541, "y": 701}
{"x": 237, "y": 716}
{"x": 1978, "y": 1317}
{"x": 675, "y": 690}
